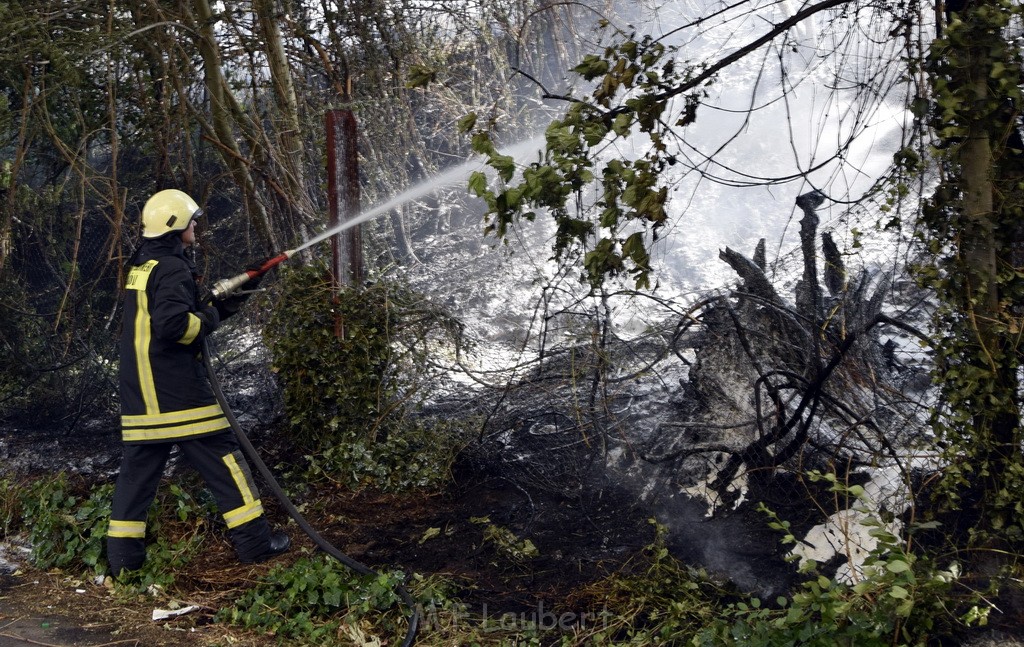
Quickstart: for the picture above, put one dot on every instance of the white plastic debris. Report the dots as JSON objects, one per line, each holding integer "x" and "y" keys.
{"x": 164, "y": 614}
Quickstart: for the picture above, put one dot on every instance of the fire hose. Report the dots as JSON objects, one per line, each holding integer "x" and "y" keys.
{"x": 224, "y": 288}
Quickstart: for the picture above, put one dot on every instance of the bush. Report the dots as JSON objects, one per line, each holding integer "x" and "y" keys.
{"x": 353, "y": 369}
{"x": 900, "y": 601}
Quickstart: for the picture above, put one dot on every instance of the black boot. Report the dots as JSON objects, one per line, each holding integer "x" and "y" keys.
{"x": 279, "y": 543}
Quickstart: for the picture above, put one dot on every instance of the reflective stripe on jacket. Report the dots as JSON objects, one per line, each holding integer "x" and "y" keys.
{"x": 165, "y": 395}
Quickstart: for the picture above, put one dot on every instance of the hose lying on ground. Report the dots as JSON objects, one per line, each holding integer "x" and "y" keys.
{"x": 293, "y": 512}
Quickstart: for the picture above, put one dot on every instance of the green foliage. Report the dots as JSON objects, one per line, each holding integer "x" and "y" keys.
{"x": 65, "y": 528}
{"x": 631, "y": 77}
{"x": 335, "y": 359}
{"x": 966, "y": 47}
{"x": 420, "y": 76}
{"x": 309, "y": 600}
{"x": 353, "y": 368}
{"x": 510, "y": 547}
{"x": 653, "y": 600}
{"x": 416, "y": 455}
{"x": 898, "y": 602}
{"x": 895, "y": 598}
{"x": 977, "y": 85}
{"x": 10, "y": 507}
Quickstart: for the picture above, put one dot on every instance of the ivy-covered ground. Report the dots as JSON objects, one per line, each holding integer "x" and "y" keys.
{"x": 492, "y": 563}
{"x": 490, "y": 552}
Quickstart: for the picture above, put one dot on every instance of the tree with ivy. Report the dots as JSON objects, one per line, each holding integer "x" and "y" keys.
{"x": 960, "y": 71}
{"x": 973, "y": 226}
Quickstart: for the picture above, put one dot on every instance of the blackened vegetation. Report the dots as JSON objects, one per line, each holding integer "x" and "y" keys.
{"x": 822, "y": 394}
{"x": 770, "y": 388}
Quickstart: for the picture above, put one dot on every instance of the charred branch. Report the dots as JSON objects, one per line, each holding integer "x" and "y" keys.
{"x": 808, "y": 291}
{"x": 754, "y": 280}
{"x": 835, "y": 269}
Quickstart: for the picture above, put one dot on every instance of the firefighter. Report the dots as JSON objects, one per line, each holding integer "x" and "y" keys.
{"x": 166, "y": 399}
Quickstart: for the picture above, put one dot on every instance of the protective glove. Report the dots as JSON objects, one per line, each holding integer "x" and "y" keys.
{"x": 229, "y": 305}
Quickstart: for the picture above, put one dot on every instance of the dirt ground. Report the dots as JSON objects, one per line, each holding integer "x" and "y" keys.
{"x": 429, "y": 534}
{"x": 441, "y": 534}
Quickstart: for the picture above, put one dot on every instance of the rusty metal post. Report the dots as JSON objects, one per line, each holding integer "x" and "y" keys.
{"x": 343, "y": 197}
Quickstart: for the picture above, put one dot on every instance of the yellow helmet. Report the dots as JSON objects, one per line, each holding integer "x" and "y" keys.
{"x": 168, "y": 210}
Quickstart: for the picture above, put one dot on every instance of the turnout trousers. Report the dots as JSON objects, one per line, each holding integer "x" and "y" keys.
{"x": 219, "y": 461}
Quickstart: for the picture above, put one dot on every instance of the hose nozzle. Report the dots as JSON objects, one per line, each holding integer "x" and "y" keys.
{"x": 226, "y": 287}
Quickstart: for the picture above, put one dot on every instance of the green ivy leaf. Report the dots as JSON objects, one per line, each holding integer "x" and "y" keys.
{"x": 897, "y": 566}
{"x": 505, "y": 165}
{"x": 467, "y": 123}
{"x": 591, "y": 67}
{"x": 477, "y": 183}
{"x": 420, "y": 76}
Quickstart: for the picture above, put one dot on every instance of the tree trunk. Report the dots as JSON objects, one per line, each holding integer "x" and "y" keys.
{"x": 978, "y": 361}
{"x": 979, "y": 249}
{"x": 223, "y": 124}
{"x": 290, "y": 154}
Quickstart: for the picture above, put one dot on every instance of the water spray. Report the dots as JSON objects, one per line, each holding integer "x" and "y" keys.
{"x": 225, "y": 287}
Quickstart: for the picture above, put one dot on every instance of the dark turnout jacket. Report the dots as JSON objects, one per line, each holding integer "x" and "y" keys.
{"x": 165, "y": 394}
